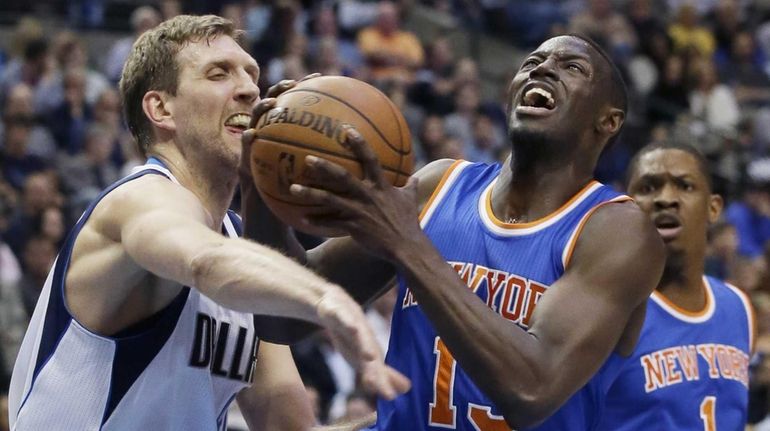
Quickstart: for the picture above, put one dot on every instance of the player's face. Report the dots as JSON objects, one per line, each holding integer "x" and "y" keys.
{"x": 669, "y": 186}
{"x": 553, "y": 93}
{"x": 215, "y": 96}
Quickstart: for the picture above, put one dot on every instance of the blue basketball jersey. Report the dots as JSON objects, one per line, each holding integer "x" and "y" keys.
{"x": 689, "y": 371}
{"x": 509, "y": 267}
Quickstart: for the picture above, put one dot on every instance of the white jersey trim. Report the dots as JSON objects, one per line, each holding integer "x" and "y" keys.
{"x": 520, "y": 231}
{"x": 441, "y": 191}
{"x": 749, "y": 311}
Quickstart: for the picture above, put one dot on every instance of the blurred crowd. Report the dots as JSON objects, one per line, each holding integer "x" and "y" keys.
{"x": 697, "y": 71}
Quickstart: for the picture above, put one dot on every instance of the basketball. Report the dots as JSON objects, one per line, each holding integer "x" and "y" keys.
{"x": 310, "y": 119}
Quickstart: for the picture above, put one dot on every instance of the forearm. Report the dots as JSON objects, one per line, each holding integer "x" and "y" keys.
{"x": 256, "y": 279}
{"x": 477, "y": 337}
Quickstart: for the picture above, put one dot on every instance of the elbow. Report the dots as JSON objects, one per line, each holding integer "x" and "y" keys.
{"x": 203, "y": 265}
{"x": 525, "y": 408}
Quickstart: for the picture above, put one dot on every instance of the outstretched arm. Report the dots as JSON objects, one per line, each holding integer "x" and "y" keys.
{"x": 165, "y": 230}
{"x": 578, "y": 322}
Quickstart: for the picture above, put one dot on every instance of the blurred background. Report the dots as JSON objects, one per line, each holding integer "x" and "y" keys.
{"x": 697, "y": 71}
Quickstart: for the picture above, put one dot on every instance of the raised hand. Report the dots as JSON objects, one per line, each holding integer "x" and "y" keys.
{"x": 354, "y": 339}
{"x": 379, "y": 216}
{"x": 263, "y": 106}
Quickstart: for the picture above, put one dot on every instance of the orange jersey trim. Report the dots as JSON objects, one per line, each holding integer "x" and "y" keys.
{"x": 541, "y": 220}
{"x": 574, "y": 239}
{"x": 438, "y": 188}
{"x": 680, "y": 310}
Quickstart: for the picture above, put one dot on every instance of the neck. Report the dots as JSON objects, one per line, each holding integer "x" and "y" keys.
{"x": 682, "y": 280}
{"x": 528, "y": 191}
{"x": 206, "y": 180}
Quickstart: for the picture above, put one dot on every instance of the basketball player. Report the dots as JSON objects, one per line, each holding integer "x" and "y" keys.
{"x": 145, "y": 320}
{"x": 522, "y": 285}
{"x": 690, "y": 368}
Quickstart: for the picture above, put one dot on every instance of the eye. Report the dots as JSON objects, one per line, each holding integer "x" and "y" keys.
{"x": 575, "y": 66}
{"x": 688, "y": 187}
{"x": 645, "y": 189}
{"x": 217, "y": 74}
{"x": 530, "y": 62}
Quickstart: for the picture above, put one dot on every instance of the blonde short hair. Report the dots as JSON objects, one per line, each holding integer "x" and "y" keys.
{"x": 152, "y": 64}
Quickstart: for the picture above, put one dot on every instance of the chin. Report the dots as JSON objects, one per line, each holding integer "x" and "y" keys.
{"x": 521, "y": 135}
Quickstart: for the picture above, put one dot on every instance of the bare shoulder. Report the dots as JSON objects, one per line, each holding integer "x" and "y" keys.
{"x": 622, "y": 238}
{"x": 147, "y": 194}
{"x": 430, "y": 177}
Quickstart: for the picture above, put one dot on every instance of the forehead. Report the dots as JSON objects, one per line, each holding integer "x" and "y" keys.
{"x": 567, "y": 46}
{"x": 199, "y": 53}
{"x": 668, "y": 162}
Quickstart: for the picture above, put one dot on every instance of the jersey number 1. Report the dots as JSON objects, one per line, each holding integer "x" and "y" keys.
{"x": 708, "y": 413}
{"x": 443, "y": 412}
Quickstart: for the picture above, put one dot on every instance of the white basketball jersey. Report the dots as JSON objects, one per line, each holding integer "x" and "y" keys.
{"x": 177, "y": 370}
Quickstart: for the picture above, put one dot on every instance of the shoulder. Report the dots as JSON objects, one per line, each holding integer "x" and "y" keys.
{"x": 431, "y": 175}
{"x": 147, "y": 194}
{"x": 620, "y": 239}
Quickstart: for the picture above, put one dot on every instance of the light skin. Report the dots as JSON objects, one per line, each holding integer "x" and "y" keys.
{"x": 616, "y": 263}
{"x": 150, "y": 237}
{"x": 670, "y": 187}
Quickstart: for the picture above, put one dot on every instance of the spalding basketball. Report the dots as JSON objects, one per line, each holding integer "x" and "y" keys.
{"x": 310, "y": 119}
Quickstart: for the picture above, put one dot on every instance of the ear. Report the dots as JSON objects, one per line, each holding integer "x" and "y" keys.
{"x": 716, "y": 203}
{"x": 159, "y": 107}
{"x": 610, "y": 123}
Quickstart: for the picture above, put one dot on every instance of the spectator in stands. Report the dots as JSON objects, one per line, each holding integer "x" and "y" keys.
{"x": 711, "y": 101}
{"x": 40, "y": 192}
{"x": 462, "y": 125}
{"x": 85, "y": 175}
{"x": 291, "y": 63}
{"x": 37, "y": 258}
{"x": 325, "y": 28}
{"x": 689, "y": 35}
{"x": 70, "y": 54}
{"x": 169, "y": 9}
{"x": 390, "y": 52}
{"x": 722, "y": 250}
{"x": 727, "y": 24}
{"x": 19, "y": 104}
{"x": 13, "y": 319}
{"x": 35, "y": 67}
{"x": 751, "y": 214}
{"x": 142, "y": 19}
{"x": 743, "y": 71}
{"x": 670, "y": 98}
{"x": 71, "y": 118}
{"x": 435, "y": 144}
{"x": 284, "y": 24}
{"x": 644, "y": 23}
{"x": 434, "y": 84}
{"x": 16, "y": 161}
{"x": 601, "y": 22}
{"x": 52, "y": 225}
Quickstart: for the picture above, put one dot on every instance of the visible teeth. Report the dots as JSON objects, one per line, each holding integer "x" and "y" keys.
{"x": 239, "y": 120}
{"x": 530, "y": 95}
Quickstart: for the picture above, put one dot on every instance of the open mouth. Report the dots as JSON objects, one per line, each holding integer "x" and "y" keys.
{"x": 238, "y": 123}
{"x": 536, "y": 101}
{"x": 669, "y": 226}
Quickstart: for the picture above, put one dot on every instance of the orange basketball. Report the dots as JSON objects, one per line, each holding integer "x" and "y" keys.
{"x": 310, "y": 119}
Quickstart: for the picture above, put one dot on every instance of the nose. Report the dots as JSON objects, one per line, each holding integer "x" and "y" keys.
{"x": 545, "y": 69}
{"x": 667, "y": 197}
{"x": 247, "y": 91}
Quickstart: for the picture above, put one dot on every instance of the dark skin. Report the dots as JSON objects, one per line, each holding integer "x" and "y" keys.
{"x": 671, "y": 188}
{"x": 616, "y": 263}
